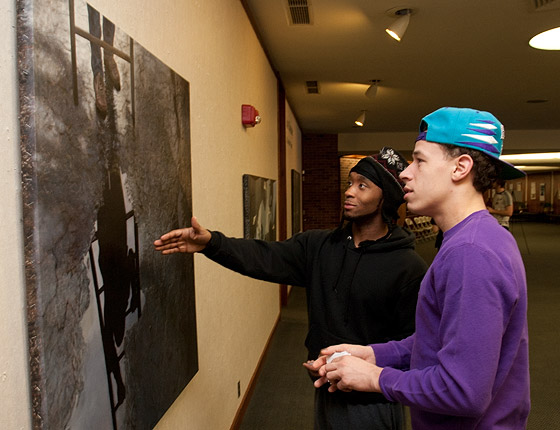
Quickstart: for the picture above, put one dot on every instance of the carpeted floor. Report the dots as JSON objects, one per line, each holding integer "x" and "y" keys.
{"x": 283, "y": 396}
{"x": 540, "y": 247}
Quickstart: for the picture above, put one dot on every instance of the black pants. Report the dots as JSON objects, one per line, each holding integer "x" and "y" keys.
{"x": 355, "y": 410}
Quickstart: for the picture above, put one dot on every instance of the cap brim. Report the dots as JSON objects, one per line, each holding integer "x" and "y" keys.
{"x": 510, "y": 172}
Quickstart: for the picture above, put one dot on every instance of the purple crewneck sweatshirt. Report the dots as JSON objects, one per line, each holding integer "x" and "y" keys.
{"x": 467, "y": 365}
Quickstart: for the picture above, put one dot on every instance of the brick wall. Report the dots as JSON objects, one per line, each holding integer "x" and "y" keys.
{"x": 321, "y": 181}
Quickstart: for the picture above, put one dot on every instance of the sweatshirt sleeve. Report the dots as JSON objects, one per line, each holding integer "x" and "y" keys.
{"x": 458, "y": 365}
{"x": 281, "y": 262}
{"x": 394, "y": 354}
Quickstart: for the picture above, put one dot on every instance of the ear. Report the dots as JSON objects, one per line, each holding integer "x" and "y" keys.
{"x": 462, "y": 168}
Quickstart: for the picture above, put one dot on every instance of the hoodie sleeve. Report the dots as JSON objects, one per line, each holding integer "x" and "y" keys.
{"x": 405, "y": 310}
{"x": 281, "y": 262}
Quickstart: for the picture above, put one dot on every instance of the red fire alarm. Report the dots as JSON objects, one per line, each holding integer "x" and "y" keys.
{"x": 249, "y": 116}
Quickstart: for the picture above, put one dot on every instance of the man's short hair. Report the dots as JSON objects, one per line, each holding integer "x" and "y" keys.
{"x": 486, "y": 170}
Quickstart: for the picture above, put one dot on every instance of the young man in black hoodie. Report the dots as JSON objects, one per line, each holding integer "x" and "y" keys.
{"x": 361, "y": 279}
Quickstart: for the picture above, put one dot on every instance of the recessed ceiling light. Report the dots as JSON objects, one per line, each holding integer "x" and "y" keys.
{"x": 547, "y": 40}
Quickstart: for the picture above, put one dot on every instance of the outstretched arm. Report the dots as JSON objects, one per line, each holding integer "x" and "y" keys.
{"x": 190, "y": 240}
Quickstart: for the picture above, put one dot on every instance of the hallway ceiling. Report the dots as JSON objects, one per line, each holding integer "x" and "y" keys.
{"x": 467, "y": 53}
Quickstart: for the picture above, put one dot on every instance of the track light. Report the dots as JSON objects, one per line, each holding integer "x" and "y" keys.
{"x": 398, "y": 28}
{"x": 371, "y": 92}
{"x": 360, "y": 121}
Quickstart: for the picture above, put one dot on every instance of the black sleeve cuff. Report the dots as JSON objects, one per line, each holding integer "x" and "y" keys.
{"x": 213, "y": 245}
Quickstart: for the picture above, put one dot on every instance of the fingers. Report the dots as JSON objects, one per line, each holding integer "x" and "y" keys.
{"x": 329, "y": 374}
{"x": 317, "y": 364}
{"x": 336, "y": 381}
{"x": 334, "y": 348}
{"x": 168, "y": 240}
{"x": 334, "y": 384}
{"x": 340, "y": 387}
{"x": 177, "y": 234}
{"x": 320, "y": 367}
{"x": 159, "y": 246}
{"x": 172, "y": 235}
{"x": 195, "y": 225}
{"x": 170, "y": 251}
{"x": 309, "y": 366}
{"x": 199, "y": 234}
{"x": 333, "y": 388}
{"x": 166, "y": 247}
{"x": 362, "y": 351}
{"x": 320, "y": 382}
{"x": 326, "y": 373}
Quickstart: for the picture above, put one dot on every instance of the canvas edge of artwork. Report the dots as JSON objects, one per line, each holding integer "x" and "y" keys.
{"x": 27, "y": 107}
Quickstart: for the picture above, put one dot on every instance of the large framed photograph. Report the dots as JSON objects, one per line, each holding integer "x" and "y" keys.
{"x": 259, "y": 208}
{"x": 105, "y": 140}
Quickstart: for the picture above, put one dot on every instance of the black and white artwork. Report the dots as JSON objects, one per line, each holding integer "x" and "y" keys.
{"x": 259, "y": 208}
{"x": 105, "y": 137}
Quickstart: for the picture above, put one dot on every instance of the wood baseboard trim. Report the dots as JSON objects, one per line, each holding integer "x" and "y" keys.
{"x": 251, "y": 387}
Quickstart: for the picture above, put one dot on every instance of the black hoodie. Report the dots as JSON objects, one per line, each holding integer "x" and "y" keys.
{"x": 355, "y": 295}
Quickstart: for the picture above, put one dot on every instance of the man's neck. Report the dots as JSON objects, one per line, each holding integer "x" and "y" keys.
{"x": 456, "y": 210}
{"x": 372, "y": 230}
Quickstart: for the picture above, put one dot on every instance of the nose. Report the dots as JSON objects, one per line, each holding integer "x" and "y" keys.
{"x": 404, "y": 175}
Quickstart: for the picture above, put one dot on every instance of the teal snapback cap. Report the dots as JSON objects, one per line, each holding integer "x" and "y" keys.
{"x": 468, "y": 128}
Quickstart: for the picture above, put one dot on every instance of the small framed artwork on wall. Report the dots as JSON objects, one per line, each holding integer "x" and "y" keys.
{"x": 259, "y": 208}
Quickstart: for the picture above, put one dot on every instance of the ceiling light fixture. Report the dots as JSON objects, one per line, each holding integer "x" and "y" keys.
{"x": 547, "y": 40}
{"x": 360, "y": 121}
{"x": 539, "y": 157}
{"x": 538, "y": 168}
{"x": 371, "y": 92}
{"x": 397, "y": 29}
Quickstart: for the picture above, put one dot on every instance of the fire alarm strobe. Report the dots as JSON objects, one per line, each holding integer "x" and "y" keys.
{"x": 249, "y": 116}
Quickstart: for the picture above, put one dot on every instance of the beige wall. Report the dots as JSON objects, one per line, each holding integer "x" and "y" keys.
{"x": 212, "y": 45}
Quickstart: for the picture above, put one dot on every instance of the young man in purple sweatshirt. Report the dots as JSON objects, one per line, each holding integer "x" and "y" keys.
{"x": 467, "y": 365}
